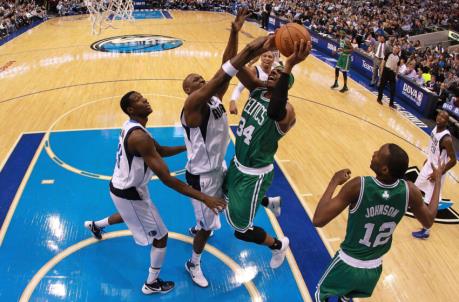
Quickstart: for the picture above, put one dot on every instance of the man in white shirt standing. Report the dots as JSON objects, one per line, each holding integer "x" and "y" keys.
{"x": 381, "y": 50}
{"x": 389, "y": 74}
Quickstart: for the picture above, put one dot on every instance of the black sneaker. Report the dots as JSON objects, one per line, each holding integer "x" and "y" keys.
{"x": 94, "y": 229}
{"x": 334, "y": 85}
{"x": 344, "y": 89}
{"x": 158, "y": 286}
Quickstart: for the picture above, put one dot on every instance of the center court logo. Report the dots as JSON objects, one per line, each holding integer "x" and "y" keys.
{"x": 136, "y": 44}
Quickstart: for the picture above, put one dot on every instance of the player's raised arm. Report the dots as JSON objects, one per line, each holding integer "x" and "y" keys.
{"x": 329, "y": 207}
{"x": 426, "y": 213}
{"x": 277, "y": 106}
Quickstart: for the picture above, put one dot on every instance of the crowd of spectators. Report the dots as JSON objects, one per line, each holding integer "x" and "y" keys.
{"x": 71, "y": 7}
{"x": 17, "y": 14}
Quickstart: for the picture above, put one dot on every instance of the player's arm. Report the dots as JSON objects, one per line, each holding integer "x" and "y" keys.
{"x": 348, "y": 49}
{"x": 166, "y": 151}
{"x": 277, "y": 109}
{"x": 426, "y": 213}
{"x": 193, "y": 104}
{"x": 232, "y": 45}
{"x": 447, "y": 144}
{"x": 141, "y": 143}
{"x": 329, "y": 207}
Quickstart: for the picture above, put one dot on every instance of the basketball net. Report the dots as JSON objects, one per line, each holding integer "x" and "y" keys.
{"x": 103, "y": 12}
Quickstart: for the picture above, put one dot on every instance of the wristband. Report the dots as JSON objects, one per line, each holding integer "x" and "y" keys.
{"x": 229, "y": 69}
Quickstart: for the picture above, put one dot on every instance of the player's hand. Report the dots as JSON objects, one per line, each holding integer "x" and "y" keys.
{"x": 242, "y": 14}
{"x": 261, "y": 45}
{"x": 214, "y": 203}
{"x": 300, "y": 53}
{"x": 233, "y": 107}
{"x": 437, "y": 172}
{"x": 341, "y": 177}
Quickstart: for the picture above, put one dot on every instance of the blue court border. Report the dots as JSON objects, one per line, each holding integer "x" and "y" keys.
{"x": 15, "y": 168}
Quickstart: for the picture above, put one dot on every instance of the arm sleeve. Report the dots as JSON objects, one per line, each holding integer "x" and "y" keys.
{"x": 276, "y": 107}
{"x": 237, "y": 91}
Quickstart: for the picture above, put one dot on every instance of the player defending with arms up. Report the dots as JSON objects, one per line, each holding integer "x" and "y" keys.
{"x": 266, "y": 117}
{"x": 376, "y": 205}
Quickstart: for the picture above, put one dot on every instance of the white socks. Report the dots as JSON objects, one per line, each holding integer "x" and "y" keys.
{"x": 102, "y": 223}
{"x": 156, "y": 260}
{"x": 195, "y": 258}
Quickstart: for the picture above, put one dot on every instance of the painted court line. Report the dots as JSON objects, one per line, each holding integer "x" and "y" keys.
{"x": 20, "y": 190}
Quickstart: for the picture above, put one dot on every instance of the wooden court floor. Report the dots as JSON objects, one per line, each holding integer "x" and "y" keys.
{"x": 56, "y": 81}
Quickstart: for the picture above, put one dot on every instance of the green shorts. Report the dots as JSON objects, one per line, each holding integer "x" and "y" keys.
{"x": 244, "y": 193}
{"x": 341, "y": 279}
{"x": 344, "y": 62}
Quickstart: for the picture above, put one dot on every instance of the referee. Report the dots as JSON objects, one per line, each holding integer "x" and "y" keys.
{"x": 390, "y": 70}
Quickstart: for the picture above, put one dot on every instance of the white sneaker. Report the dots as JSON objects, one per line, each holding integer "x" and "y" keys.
{"x": 279, "y": 255}
{"x": 196, "y": 274}
{"x": 274, "y": 204}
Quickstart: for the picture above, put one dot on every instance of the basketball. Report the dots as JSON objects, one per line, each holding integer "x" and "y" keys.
{"x": 287, "y": 35}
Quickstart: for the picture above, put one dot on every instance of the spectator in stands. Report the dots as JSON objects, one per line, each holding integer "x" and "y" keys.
{"x": 380, "y": 51}
{"x": 433, "y": 85}
{"x": 418, "y": 78}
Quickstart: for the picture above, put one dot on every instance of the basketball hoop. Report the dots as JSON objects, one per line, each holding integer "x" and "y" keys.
{"x": 103, "y": 12}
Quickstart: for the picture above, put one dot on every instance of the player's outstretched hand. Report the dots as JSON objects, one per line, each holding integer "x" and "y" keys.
{"x": 300, "y": 53}
{"x": 341, "y": 177}
{"x": 242, "y": 14}
{"x": 261, "y": 45}
{"x": 437, "y": 172}
{"x": 214, "y": 203}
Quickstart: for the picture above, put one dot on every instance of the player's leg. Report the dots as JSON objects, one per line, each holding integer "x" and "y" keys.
{"x": 97, "y": 227}
{"x": 344, "y": 70}
{"x": 335, "y": 84}
{"x": 210, "y": 184}
{"x": 245, "y": 194}
{"x": 147, "y": 228}
{"x": 426, "y": 186}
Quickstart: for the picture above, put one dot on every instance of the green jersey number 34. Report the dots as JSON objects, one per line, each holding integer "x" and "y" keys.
{"x": 246, "y": 132}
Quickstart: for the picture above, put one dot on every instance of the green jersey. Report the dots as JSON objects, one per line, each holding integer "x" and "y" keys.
{"x": 345, "y": 48}
{"x": 372, "y": 221}
{"x": 257, "y": 135}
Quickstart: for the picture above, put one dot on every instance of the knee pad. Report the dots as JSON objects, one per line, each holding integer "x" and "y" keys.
{"x": 256, "y": 235}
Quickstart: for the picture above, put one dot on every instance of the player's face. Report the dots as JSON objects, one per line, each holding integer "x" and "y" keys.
{"x": 267, "y": 59}
{"x": 194, "y": 82}
{"x": 273, "y": 77}
{"x": 442, "y": 119}
{"x": 139, "y": 105}
{"x": 378, "y": 161}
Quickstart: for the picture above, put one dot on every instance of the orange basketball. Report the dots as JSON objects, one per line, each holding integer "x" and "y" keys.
{"x": 287, "y": 35}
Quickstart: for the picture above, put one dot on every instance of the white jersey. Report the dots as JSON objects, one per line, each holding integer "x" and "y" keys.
{"x": 261, "y": 74}
{"x": 131, "y": 174}
{"x": 206, "y": 145}
{"x": 435, "y": 151}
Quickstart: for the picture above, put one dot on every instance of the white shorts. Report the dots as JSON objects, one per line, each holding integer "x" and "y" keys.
{"x": 142, "y": 219}
{"x": 426, "y": 185}
{"x": 210, "y": 184}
